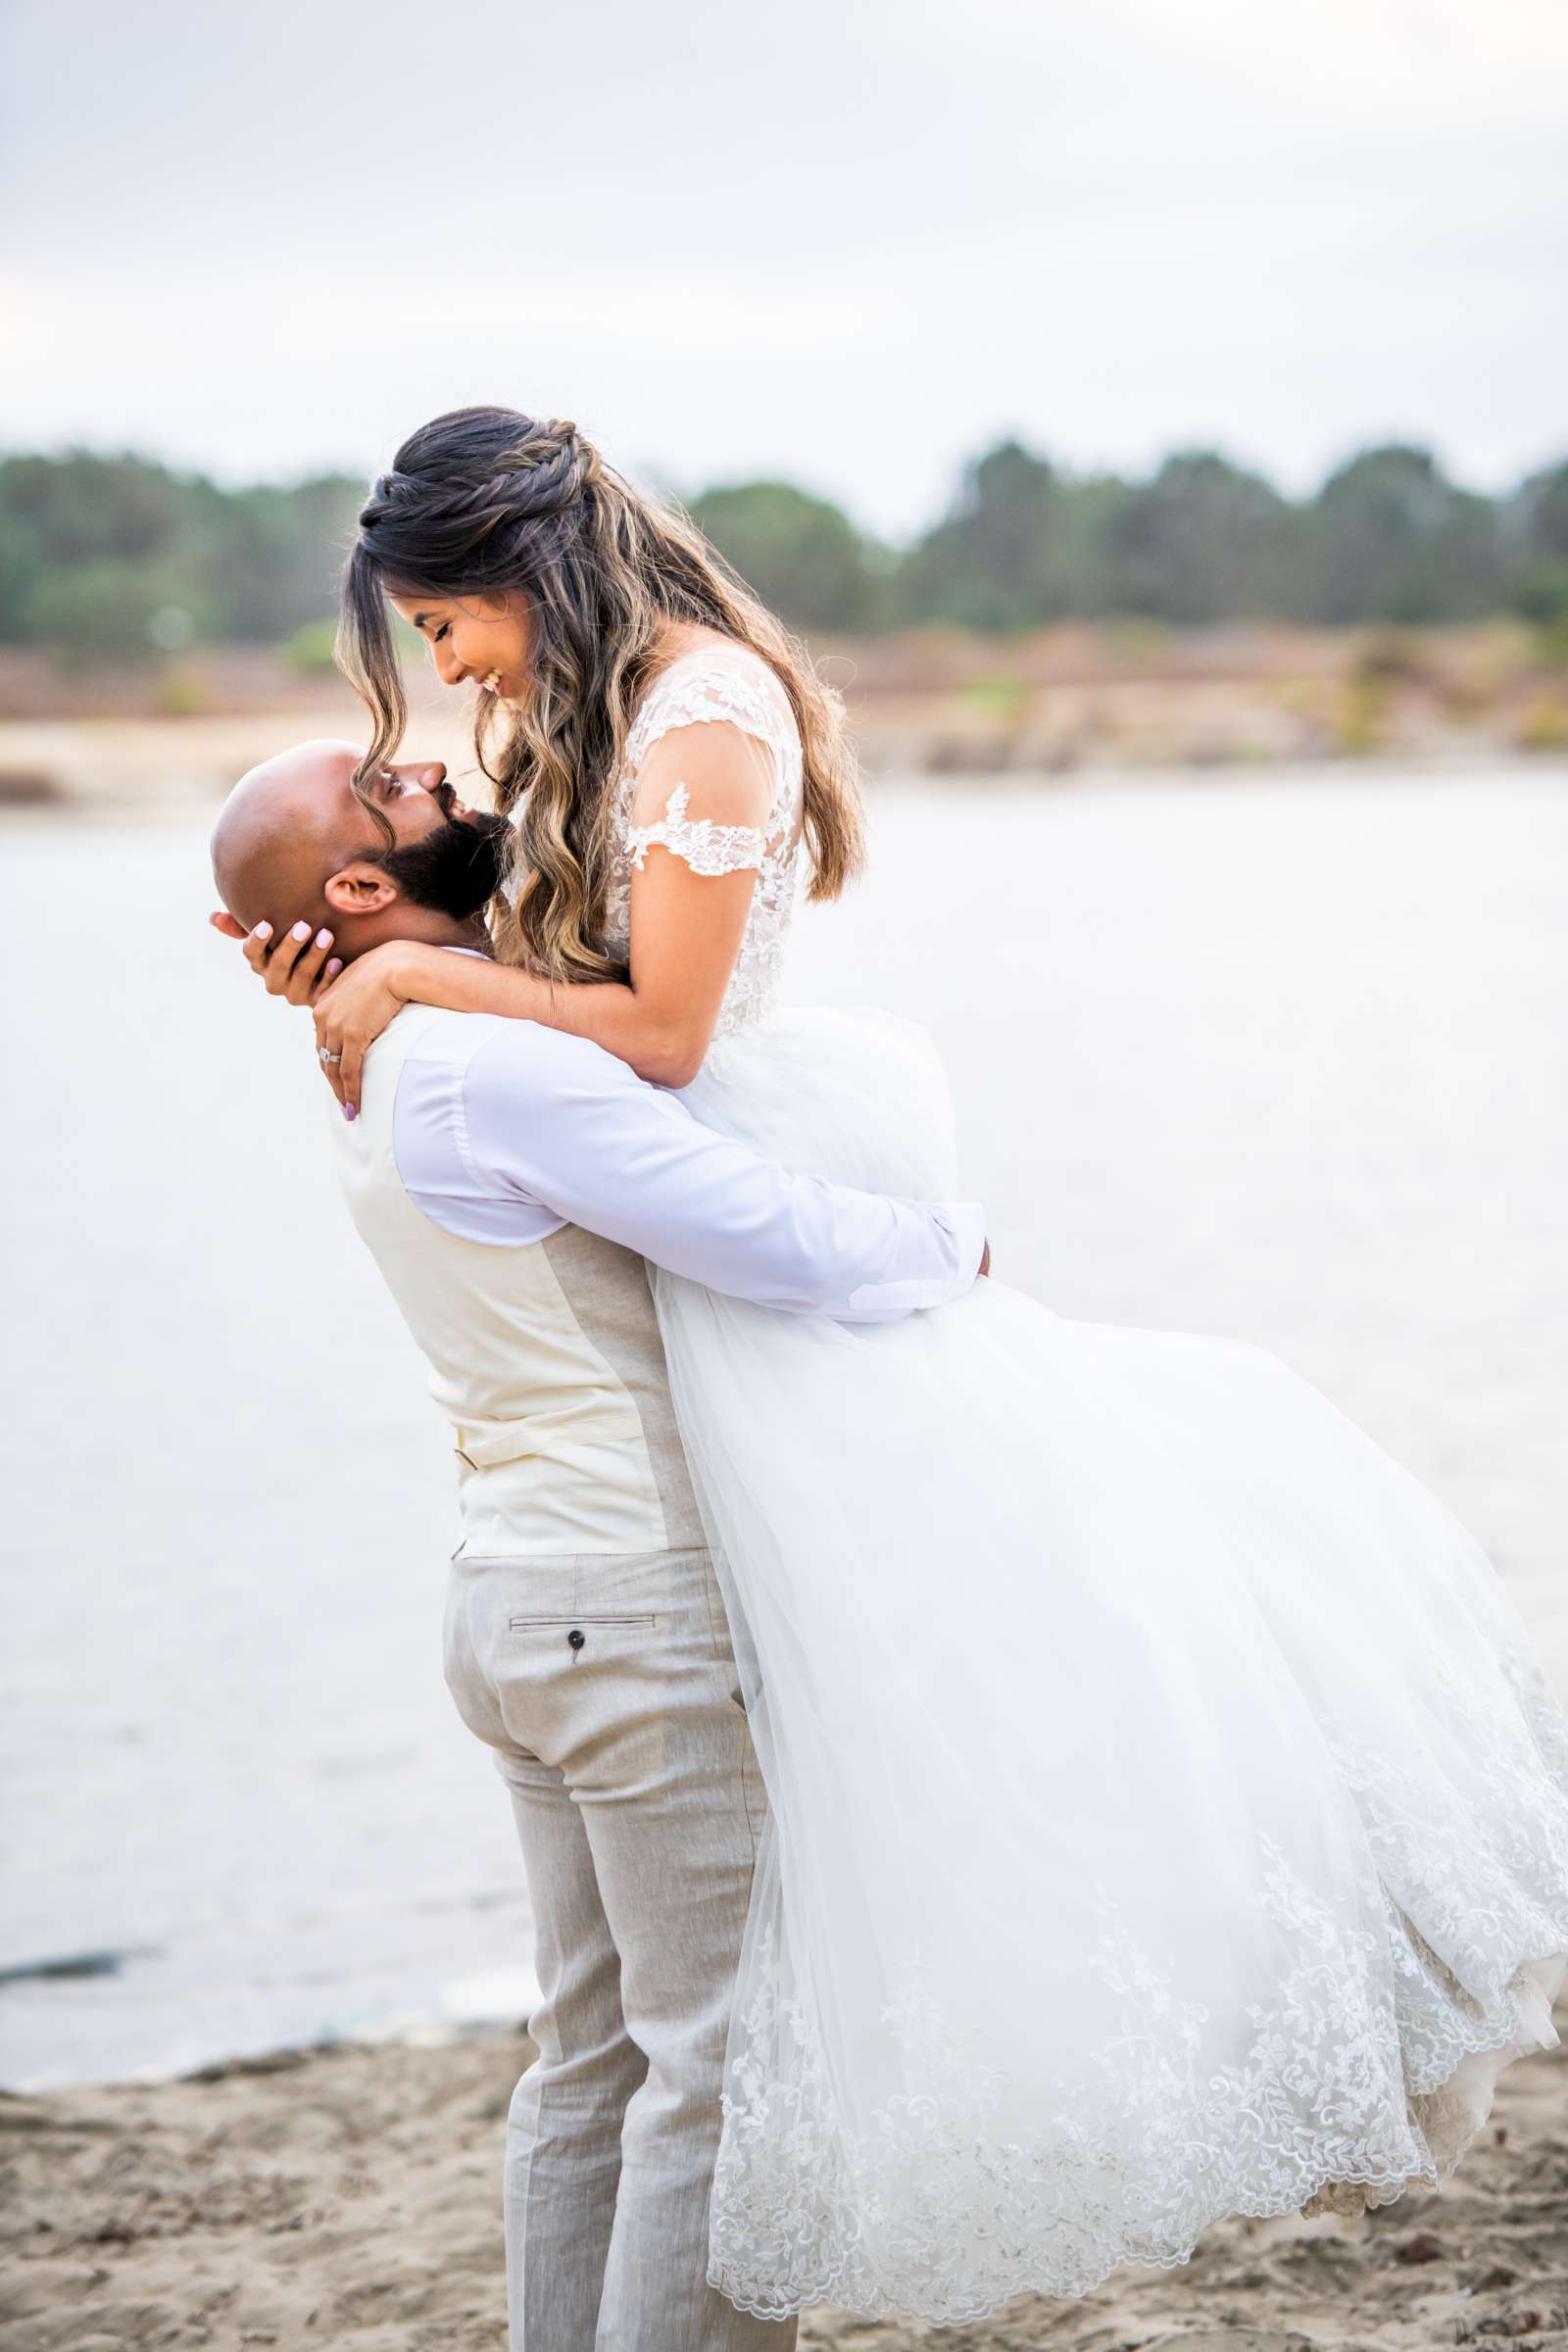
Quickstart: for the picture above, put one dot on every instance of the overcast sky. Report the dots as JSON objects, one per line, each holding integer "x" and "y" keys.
{"x": 847, "y": 241}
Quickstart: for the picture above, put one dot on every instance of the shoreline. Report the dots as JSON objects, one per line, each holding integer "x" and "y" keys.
{"x": 406, "y": 2029}
{"x": 353, "y": 2190}
{"x": 1063, "y": 706}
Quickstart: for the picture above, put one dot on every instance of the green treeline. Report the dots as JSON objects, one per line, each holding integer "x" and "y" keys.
{"x": 117, "y": 556}
{"x": 1387, "y": 538}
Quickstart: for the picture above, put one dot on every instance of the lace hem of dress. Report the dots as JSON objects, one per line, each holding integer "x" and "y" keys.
{"x": 708, "y": 848}
{"x": 1357, "y": 2074}
{"x": 981, "y": 2220}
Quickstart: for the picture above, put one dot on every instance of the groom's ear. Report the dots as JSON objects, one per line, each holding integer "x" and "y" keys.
{"x": 361, "y": 889}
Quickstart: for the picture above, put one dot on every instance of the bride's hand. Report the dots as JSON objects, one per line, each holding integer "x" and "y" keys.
{"x": 295, "y": 968}
{"x": 350, "y": 1014}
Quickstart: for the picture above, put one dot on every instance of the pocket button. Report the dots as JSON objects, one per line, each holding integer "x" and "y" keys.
{"x": 576, "y": 1637}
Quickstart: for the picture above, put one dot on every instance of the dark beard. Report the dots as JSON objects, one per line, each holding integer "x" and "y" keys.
{"x": 456, "y": 868}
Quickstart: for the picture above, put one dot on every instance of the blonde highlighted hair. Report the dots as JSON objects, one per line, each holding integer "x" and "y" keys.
{"x": 486, "y": 503}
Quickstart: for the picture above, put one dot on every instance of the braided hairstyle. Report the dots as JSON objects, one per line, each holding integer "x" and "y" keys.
{"x": 488, "y": 503}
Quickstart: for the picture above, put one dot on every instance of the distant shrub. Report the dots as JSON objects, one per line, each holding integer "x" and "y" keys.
{"x": 1544, "y": 726}
{"x": 182, "y": 694}
{"x": 309, "y": 650}
{"x": 1134, "y": 637}
{"x": 1394, "y": 659}
{"x": 1004, "y": 700}
{"x": 1551, "y": 643}
{"x": 1361, "y": 719}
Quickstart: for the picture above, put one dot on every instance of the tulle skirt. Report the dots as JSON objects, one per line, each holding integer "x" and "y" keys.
{"x": 1168, "y": 1817}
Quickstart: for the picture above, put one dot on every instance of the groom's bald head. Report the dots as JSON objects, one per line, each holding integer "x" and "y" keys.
{"x": 286, "y": 828}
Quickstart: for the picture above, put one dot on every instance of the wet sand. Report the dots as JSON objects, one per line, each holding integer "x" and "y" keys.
{"x": 351, "y": 2196}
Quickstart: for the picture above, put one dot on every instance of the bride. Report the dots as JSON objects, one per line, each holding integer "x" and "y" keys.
{"x": 1169, "y": 1819}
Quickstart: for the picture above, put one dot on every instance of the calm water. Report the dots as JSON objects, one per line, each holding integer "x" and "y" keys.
{"x": 1280, "y": 1059}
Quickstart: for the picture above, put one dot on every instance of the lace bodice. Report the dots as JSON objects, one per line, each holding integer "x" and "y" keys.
{"x": 728, "y": 686}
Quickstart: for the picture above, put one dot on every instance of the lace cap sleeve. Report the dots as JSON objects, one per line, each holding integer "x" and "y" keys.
{"x": 703, "y": 764}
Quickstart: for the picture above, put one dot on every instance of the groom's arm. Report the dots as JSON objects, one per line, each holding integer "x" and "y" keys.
{"x": 529, "y": 1129}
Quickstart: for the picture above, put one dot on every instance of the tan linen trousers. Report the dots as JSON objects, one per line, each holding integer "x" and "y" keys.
{"x": 607, "y": 1687}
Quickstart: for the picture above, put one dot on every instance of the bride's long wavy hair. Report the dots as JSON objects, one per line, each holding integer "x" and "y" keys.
{"x": 487, "y": 503}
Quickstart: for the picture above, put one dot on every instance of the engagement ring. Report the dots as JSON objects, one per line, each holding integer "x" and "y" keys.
{"x": 322, "y": 1054}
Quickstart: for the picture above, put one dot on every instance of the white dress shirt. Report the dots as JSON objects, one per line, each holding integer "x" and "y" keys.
{"x": 531, "y": 1130}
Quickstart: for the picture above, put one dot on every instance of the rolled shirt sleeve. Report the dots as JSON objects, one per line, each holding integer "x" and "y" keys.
{"x": 544, "y": 1121}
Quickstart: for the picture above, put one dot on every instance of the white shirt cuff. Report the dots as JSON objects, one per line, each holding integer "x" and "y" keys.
{"x": 965, "y": 1223}
{"x": 969, "y": 1224}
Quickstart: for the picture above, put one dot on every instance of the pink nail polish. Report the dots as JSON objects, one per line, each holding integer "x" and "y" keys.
{"x": 263, "y": 931}
{"x": 349, "y": 1112}
{"x": 334, "y": 966}
{"x": 323, "y": 939}
{"x": 301, "y": 931}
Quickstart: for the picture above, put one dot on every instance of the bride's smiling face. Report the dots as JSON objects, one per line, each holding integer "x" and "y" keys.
{"x": 473, "y": 637}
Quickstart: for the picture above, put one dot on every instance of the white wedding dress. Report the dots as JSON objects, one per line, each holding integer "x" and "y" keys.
{"x": 1168, "y": 1817}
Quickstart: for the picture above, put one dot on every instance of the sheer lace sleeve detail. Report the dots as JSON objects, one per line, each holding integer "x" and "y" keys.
{"x": 706, "y": 771}
{"x": 712, "y": 773}
{"x": 704, "y": 845}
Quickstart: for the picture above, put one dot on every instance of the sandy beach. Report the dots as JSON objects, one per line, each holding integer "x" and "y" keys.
{"x": 351, "y": 2195}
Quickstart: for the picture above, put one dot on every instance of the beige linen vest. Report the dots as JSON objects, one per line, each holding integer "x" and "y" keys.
{"x": 545, "y": 1357}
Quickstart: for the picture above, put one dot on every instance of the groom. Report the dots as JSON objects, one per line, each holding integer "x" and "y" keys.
{"x": 512, "y": 1183}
